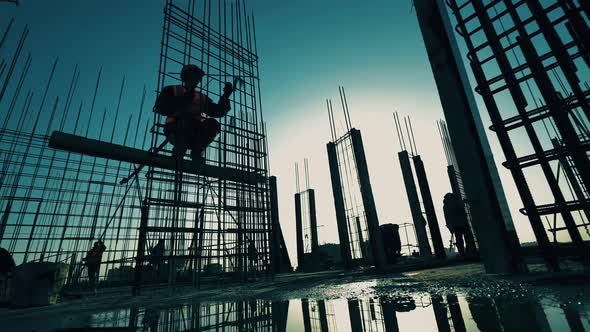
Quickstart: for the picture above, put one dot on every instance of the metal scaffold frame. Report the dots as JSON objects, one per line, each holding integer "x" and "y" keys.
{"x": 536, "y": 55}
{"x": 210, "y": 224}
{"x": 62, "y": 191}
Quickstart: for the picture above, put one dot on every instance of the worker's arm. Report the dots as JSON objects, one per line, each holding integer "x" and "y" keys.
{"x": 223, "y": 106}
{"x": 217, "y": 110}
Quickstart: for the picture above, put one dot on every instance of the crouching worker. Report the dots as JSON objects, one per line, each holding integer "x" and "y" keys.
{"x": 189, "y": 114}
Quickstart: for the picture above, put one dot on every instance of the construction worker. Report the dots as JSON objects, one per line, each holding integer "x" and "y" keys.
{"x": 252, "y": 255}
{"x": 7, "y": 268}
{"x": 156, "y": 256}
{"x": 92, "y": 261}
{"x": 457, "y": 223}
{"x": 189, "y": 114}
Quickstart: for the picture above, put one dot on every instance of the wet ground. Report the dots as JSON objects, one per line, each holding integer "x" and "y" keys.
{"x": 457, "y": 298}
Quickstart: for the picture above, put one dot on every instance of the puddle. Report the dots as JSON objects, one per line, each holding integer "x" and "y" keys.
{"x": 371, "y": 305}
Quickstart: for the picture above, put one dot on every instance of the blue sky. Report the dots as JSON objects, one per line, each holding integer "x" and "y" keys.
{"x": 307, "y": 49}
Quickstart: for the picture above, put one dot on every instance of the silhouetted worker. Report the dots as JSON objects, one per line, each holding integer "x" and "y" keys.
{"x": 252, "y": 254}
{"x": 92, "y": 261}
{"x": 189, "y": 123}
{"x": 457, "y": 223}
{"x": 156, "y": 255}
{"x": 7, "y": 267}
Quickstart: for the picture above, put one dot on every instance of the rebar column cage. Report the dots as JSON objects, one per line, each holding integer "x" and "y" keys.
{"x": 209, "y": 225}
{"x": 305, "y": 220}
{"x": 356, "y": 214}
{"x": 530, "y": 61}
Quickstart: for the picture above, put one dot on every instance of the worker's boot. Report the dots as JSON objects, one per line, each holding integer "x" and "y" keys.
{"x": 198, "y": 156}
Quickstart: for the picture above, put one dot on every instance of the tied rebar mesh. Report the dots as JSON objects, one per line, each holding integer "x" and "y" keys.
{"x": 530, "y": 60}
{"x": 208, "y": 224}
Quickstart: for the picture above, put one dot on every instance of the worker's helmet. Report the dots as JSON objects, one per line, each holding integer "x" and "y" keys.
{"x": 190, "y": 69}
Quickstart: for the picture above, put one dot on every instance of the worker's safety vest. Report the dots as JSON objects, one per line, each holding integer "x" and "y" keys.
{"x": 198, "y": 98}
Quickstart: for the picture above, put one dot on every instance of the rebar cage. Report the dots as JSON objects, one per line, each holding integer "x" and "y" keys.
{"x": 530, "y": 60}
{"x": 211, "y": 225}
{"x": 54, "y": 204}
{"x": 356, "y": 218}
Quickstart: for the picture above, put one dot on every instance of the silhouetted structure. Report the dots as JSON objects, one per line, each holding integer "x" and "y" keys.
{"x": 455, "y": 178}
{"x": 535, "y": 54}
{"x": 55, "y": 203}
{"x": 419, "y": 221}
{"x": 306, "y": 224}
{"x": 391, "y": 242}
{"x": 492, "y": 222}
{"x": 356, "y": 215}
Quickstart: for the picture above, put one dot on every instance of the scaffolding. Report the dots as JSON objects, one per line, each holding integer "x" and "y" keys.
{"x": 529, "y": 60}
{"x": 211, "y": 224}
{"x": 55, "y": 203}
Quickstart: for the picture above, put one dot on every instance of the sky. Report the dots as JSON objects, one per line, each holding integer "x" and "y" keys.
{"x": 307, "y": 49}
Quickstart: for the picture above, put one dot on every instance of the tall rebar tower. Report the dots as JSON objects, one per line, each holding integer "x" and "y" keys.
{"x": 530, "y": 61}
{"x": 211, "y": 224}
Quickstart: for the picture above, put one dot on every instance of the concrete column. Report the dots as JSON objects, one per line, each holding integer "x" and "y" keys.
{"x": 339, "y": 205}
{"x": 313, "y": 222}
{"x": 414, "y": 201}
{"x": 492, "y": 222}
{"x": 275, "y": 229}
{"x": 368, "y": 201}
{"x": 439, "y": 248}
{"x": 299, "y": 231}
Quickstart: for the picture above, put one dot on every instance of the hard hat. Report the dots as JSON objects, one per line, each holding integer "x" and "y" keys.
{"x": 190, "y": 68}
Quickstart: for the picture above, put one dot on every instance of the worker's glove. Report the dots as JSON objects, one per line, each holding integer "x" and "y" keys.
{"x": 228, "y": 89}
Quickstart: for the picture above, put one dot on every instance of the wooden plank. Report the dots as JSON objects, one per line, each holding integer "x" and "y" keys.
{"x": 100, "y": 149}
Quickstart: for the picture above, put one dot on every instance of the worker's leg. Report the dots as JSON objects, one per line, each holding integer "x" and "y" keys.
{"x": 459, "y": 240}
{"x": 205, "y": 135}
{"x": 470, "y": 248}
{"x": 92, "y": 276}
{"x": 176, "y": 135}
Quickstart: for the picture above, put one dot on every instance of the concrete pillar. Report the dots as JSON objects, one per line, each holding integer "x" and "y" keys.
{"x": 299, "y": 231}
{"x": 414, "y": 201}
{"x": 492, "y": 222}
{"x": 275, "y": 228}
{"x": 375, "y": 238}
{"x": 313, "y": 221}
{"x": 339, "y": 205}
{"x": 437, "y": 243}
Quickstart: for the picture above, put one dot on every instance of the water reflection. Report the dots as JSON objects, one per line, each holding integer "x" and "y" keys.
{"x": 416, "y": 312}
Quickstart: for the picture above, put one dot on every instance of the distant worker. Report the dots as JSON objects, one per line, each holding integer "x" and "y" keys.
{"x": 156, "y": 255}
{"x": 252, "y": 254}
{"x": 92, "y": 261}
{"x": 7, "y": 267}
{"x": 457, "y": 223}
{"x": 189, "y": 113}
